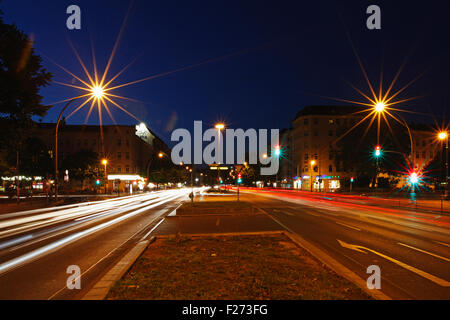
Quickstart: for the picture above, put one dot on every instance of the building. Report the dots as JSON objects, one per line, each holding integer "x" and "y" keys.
{"x": 314, "y": 131}
{"x": 127, "y": 149}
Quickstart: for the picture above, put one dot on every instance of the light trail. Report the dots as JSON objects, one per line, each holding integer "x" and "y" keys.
{"x": 127, "y": 212}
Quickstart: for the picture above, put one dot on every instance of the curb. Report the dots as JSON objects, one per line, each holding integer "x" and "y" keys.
{"x": 101, "y": 288}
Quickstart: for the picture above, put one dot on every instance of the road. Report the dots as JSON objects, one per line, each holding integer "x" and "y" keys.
{"x": 411, "y": 248}
{"x": 37, "y": 246}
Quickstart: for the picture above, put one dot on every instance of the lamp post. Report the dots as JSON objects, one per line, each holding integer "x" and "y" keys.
{"x": 218, "y": 126}
{"x": 443, "y": 135}
{"x": 56, "y": 147}
{"x": 313, "y": 162}
{"x": 105, "y": 162}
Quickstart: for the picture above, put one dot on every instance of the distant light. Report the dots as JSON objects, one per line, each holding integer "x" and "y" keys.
{"x": 104, "y": 162}
{"x": 442, "y": 135}
{"x": 413, "y": 178}
{"x": 160, "y": 154}
{"x": 220, "y": 126}
{"x": 313, "y": 162}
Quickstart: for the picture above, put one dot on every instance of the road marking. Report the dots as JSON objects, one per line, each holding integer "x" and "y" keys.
{"x": 348, "y": 226}
{"x": 431, "y": 254}
{"x": 156, "y": 226}
{"x": 439, "y": 281}
{"x": 443, "y": 243}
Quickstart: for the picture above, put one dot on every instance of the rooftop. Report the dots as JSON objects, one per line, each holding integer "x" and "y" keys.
{"x": 329, "y": 110}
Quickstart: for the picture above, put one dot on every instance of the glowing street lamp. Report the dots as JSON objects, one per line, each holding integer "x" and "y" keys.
{"x": 313, "y": 162}
{"x": 443, "y": 135}
{"x": 219, "y": 126}
{"x": 379, "y": 106}
{"x": 105, "y": 162}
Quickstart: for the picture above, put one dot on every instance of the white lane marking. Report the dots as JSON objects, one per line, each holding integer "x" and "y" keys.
{"x": 443, "y": 243}
{"x": 156, "y": 226}
{"x": 348, "y": 226}
{"x": 439, "y": 281}
{"x": 430, "y": 253}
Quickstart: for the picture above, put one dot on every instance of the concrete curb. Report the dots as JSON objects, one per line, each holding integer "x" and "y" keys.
{"x": 101, "y": 288}
{"x": 330, "y": 262}
{"x": 224, "y": 234}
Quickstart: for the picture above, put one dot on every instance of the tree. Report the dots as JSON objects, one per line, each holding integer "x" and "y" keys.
{"x": 21, "y": 77}
{"x": 83, "y": 165}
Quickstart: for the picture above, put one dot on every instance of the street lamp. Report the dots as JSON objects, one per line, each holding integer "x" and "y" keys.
{"x": 443, "y": 135}
{"x": 219, "y": 126}
{"x": 379, "y": 106}
{"x": 56, "y": 147}
{"x": 313, "y": 162}
{"x": 105, "y": 162}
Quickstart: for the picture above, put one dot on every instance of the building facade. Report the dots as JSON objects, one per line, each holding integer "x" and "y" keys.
{"x": 314, "y": 131}
{"x": 128, "y": 150}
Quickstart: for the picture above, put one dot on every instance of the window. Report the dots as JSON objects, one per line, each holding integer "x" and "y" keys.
{"x": 330, "y": 133}
{"x": 119, "y": 142}
{"x": 119, "y": 169}
{"x": 127, "y": 155}
{"x": 316, "y": 121}
{"x": 316, "y": 133}
{"x": 127, "y": 143}
{"x": 306, "y": 133}
{"x": 119, "y": 155}
{"x": 127, "y": 169}
{"x": 306, "y": 156}
{"x": 330, "y": 168}
{"x": 424, "y": 143}
{"x": 338, "y": 121}
{"x": 423, "y": 154}
{"x": 305, "y": 121}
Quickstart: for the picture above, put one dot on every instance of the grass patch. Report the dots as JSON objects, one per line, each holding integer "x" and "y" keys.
{"x": 241, "y": 267}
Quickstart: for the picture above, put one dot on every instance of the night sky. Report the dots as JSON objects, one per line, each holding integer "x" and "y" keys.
{"x": 279, "y": 56}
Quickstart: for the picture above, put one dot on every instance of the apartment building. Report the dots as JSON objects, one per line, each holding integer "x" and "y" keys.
{"x": 313, "y": 132}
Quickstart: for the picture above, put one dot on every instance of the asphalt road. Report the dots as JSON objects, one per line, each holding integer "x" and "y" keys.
{"x": 411, "y": 248}
{"x": 37, "y": 246}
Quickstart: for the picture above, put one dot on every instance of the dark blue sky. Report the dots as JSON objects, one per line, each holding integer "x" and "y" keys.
{"x": 290, "y": 53}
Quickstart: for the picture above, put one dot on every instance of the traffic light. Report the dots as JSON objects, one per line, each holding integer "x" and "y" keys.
{"x": 239, "y": 178}
{"x": 377, "y": 150}
{"x": 413, "y": 178}
{"x": 352, "y": 179}
{"x": 97, "y": 182}
{"x": 277, "y": 150}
